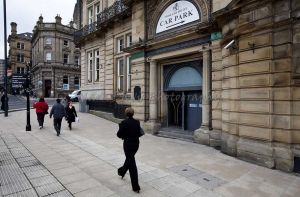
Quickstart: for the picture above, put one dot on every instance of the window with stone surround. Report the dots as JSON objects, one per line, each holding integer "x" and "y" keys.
{"x": 20, "y": 45}
{"x": 128, "y": 40}
{"x": 76, "y": 83}
{"x": 123, "y": 74}
{"x": 65, "y": 82}
{"x": 48, "y": 41}
{"x": 90, "y": 15}
{"x": 20, "y": 70}
{"x": 128, "y": 68}
{"x": 66, "y": 43}
{"x": 97, "y": 10}
{"x": 66, "y": 58}
{"x": 120, "y": 44}
{"x": 20, "y": 58}
{"x": 120, "y": 69}
{"x": 48, "y": 56}
{"x": 97, "y": 66}
{"x": 90, "y": 67}
{"x": 76, "y": 60}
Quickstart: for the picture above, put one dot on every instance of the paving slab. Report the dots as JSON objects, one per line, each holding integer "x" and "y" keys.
{"x": 84, "y": 162}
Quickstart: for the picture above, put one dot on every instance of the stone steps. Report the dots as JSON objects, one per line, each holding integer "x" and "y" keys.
{"x": 105, "y": 115}
{"x": 177, "y": 134}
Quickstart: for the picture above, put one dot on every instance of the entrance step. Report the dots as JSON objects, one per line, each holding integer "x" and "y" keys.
{"x": 177, "y": 134}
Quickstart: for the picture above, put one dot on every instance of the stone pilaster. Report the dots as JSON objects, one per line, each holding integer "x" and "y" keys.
{"x": 203, "y": 134}
{"x": 152, "y": 125}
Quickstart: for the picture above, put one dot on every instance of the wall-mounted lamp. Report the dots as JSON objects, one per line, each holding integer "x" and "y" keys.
{"x": 231, "y": 45}
{"x": 252, "y": 46}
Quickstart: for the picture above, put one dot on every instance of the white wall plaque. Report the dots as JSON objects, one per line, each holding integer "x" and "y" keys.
{"x": 177, "y": 14}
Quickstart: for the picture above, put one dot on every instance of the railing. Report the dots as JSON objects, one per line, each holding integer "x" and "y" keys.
{"x": 103, "y": 18}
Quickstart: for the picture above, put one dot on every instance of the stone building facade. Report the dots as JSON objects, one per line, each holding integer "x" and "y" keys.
{"x": 225, "y": 71}
{"x": 19, "y": 50}
{"x": 2, "y": 74}
{"x": 55, "y": 59}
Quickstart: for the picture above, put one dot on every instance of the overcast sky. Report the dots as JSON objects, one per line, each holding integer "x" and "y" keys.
{"x": 26, "y": 12}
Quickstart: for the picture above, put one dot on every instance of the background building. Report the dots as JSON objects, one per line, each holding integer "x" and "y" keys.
{"x": 2, "y": 70}
{"x": 224, "y": 73}
{"x": 55, "y": 60}
{"x": 19, "y": 50}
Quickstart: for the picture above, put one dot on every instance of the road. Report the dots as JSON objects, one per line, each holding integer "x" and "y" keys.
{"x": 19, "y": 102}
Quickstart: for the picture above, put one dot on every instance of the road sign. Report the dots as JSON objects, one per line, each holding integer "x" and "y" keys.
{"x": 18, "y": 80}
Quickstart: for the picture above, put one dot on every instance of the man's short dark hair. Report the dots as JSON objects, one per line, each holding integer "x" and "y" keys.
{"x": 58, "y": 100}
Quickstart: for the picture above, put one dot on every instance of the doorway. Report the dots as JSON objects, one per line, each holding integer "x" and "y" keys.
{"x": 185, "y": 110}
{"x": 47, "y": 88}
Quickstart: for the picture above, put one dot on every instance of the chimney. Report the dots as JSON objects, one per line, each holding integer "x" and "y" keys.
{"x": 13, "y": 28}
{"x": 41, "y": 19}
{"x": 58, "y": 19}
{"x": 71, "y": 24}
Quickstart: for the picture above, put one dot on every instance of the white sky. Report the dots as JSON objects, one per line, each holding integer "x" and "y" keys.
{"x": 26, "y": 12}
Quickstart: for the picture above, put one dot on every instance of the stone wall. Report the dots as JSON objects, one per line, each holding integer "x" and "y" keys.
{"x": 255, "y": 101}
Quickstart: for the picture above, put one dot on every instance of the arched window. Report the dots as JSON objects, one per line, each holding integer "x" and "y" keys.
{"x": 187, "y": 78}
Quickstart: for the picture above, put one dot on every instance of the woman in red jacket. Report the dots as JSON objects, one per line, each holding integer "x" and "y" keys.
{"x": 41, "y": 108}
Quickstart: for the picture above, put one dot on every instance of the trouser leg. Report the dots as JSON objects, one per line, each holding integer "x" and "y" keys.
{"x": 59, "y": 123}
{"x": 130, "y": 164}
{"x": 39, "y": 118}
{"x": 42, "y": 119}
{"x": 55, "y": 124}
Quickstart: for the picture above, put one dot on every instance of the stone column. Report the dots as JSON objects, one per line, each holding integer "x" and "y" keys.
{"x": 153, "y": 92}
{"x": 206, "y": 89}
{"x": 152, "y": 126}
{"x": 202, "y": 135}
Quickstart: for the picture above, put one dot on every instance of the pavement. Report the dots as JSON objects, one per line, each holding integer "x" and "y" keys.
{"x": 83, "y": 162}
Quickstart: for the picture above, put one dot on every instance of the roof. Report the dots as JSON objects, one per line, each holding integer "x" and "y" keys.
{"x": 26, "y": 35}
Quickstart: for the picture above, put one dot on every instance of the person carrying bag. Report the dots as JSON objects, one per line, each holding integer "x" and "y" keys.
{"x": 71, "y": 114}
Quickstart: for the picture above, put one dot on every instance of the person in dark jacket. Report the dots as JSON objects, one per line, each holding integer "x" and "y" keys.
{"x": 3, "y": 102}
{"x": 70, "y": 114}
{"x": 58, "y": 112}
{"x": 41, "y": 108}
{"x": 129, "y": 131}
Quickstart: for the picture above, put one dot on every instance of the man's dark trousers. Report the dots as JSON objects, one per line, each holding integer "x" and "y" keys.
{"x": 57, "y": 124}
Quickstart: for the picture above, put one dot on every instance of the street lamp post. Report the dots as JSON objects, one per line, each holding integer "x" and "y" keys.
{"x": 5, "y": 62}
{"x": 28, "y": 126}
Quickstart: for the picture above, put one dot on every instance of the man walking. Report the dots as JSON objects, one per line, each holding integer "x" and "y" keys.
{"x": 58, "y": 112}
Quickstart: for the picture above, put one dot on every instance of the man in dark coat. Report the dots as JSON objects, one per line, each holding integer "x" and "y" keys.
{"x": 3, "y": 102}
{"x": 129, "y": 131}
{"x": 58, "y": 112}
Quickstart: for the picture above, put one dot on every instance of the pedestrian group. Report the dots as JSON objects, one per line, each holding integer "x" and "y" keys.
{"x": 129, "y": 131}
{"x": 58, "y": 111}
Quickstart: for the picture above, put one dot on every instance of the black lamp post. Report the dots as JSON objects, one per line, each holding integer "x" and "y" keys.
{"x": 28, "y": 126}
{"x": 5, "y": 62}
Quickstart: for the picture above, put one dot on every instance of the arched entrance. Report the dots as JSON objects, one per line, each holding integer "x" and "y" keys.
{"x": 183, "y": 87}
